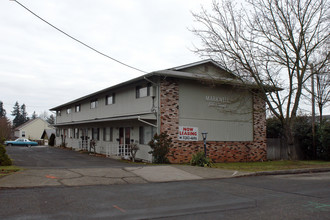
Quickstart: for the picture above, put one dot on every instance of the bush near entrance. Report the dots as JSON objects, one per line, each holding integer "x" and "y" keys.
{"x": 160, "y": 145}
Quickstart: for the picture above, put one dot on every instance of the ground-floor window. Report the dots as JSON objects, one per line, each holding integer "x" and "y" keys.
{"x": 76, "y": 133}
{"x": 69, "y": 132}
{"x": 107, "y": 134}
{"x": 146, "y": 133}
{"x": 96, "y": 134}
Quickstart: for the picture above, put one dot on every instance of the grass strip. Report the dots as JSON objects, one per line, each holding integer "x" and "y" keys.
{"x": 6, "y": 170}
{"x": 272, "y": 165}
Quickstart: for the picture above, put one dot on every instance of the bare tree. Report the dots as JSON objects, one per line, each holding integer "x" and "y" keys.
{"x": 269, "y": 43}
{"x": 322, "y": 75}
{"x": 5, "y": 128}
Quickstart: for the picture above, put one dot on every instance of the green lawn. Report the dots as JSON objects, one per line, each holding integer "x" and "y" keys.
{"x": 272, "y": 165}
{"x": 5, "y": 170}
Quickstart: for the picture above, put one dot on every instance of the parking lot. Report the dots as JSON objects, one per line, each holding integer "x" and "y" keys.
{"x": 51, "y": 157}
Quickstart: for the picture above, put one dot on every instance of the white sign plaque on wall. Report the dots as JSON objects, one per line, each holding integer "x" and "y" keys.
{"x": 188, "y": 133}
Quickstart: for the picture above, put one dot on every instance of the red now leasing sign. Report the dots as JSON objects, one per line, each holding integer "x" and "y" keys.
{"x": 188, "y": 133}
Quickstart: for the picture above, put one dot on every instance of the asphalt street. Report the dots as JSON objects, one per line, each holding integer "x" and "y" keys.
{"x": 303, "y": 196}
{"x": 299, "y": 196}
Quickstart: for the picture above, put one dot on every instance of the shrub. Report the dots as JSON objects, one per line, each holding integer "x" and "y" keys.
{"x": 274, "y": 128}
{"x": 160, "y": 145}
{"x": 4, "y": 159}
{"x": 199, "y": 159}
{"x": 324, "y": 136}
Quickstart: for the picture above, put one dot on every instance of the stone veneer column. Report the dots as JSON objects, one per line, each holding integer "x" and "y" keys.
{"x": 169, "y": 112}
{"x": 229, "y": 151}
{"x": 169, "y": 108}
{"x": 258, "y": 148}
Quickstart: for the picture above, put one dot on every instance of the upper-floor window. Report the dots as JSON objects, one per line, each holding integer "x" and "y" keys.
{"x": 68, "y": 110}
{"x": 142, "y": 91}
{"x": 58, "y": 113}
{"x": 110, "y": 99}
{"x": 94, "y": 103}
{"x": 77, "y": 108}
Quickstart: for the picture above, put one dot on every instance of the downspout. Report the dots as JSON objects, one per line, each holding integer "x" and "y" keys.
{"x": 158, "y": 105}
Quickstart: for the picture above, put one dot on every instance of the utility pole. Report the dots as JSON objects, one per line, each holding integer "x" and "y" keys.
{"x": 313, "y": 112}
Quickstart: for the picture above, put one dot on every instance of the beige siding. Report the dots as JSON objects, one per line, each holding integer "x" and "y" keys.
{"x": 126, "y": 103}
{"x": 224, "y": 112}
{"x": 34, "y": 129}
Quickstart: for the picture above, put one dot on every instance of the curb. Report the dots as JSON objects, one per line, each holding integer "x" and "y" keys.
{"x": 294, "y": 171}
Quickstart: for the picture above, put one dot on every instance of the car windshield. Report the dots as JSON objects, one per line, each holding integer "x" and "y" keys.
{"x": 22, "y": 140}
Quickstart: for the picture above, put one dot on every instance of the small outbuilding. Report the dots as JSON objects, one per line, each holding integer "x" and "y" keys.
{"x": 32, "y": 129}
{"x": 48, "y": 136}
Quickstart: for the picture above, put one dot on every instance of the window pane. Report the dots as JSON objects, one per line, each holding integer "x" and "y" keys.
{"x": 109, "y": 100}
{"x": 141, "y": 136}
{"x": 143, "y": 92}
{"x": 146, "y": 133}
{"x": 111, "y": 134}
{"x": 94, "y": 104}
{"x": 96, "y": 134}
{"x": 107, "y": 134}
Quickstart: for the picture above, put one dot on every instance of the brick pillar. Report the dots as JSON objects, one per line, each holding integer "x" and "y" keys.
{"x": 169, "y": 113}
{"x": 169, "y": 108}
{"x": 257, "y": 150}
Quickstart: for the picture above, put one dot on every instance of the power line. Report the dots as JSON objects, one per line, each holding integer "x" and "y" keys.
{"x": 73, "y": 38}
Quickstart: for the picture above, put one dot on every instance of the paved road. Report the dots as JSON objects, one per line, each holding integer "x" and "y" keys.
{"x": 303, "y": 196}
{"x": 50, "y": 157}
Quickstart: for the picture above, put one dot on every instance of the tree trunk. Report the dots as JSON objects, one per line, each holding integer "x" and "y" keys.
{"x": 292, "y": 146}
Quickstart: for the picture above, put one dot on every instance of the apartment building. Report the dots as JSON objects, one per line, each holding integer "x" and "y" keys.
{"x": 183, "y": 101}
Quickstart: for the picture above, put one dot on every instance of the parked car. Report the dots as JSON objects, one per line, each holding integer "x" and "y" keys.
{"x": 21, "y": 142}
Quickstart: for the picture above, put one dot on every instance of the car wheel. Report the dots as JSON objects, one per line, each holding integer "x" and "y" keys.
{"x": 29, "y": 145}
{"x": 9, "y": 145}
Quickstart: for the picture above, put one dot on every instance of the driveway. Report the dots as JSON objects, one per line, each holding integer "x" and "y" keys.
{"x": 51, "y": 157}
{"x": 49, "y": 166}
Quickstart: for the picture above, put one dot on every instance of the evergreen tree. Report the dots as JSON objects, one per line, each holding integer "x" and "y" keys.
{"x": 17, "y": 115}
{"x": 24, "y": 117}
{"x": 2, "y": 110}
{"x": 34, "y": 115}
{"x": 20, "y": 115}
{"x": 51, "y": 119}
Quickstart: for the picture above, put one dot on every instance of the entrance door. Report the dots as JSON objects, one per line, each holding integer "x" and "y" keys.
{"x": 124, "y": 136}
{"x": 124, "y": 141}
{"x": 84, "y": 138}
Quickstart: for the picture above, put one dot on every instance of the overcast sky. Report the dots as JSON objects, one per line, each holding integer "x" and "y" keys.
{"x": 42, "y": 68}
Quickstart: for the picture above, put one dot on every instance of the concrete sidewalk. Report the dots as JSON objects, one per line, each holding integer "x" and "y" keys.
{"x": 108, "y": 176}
{"x": 126, "y": 175}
